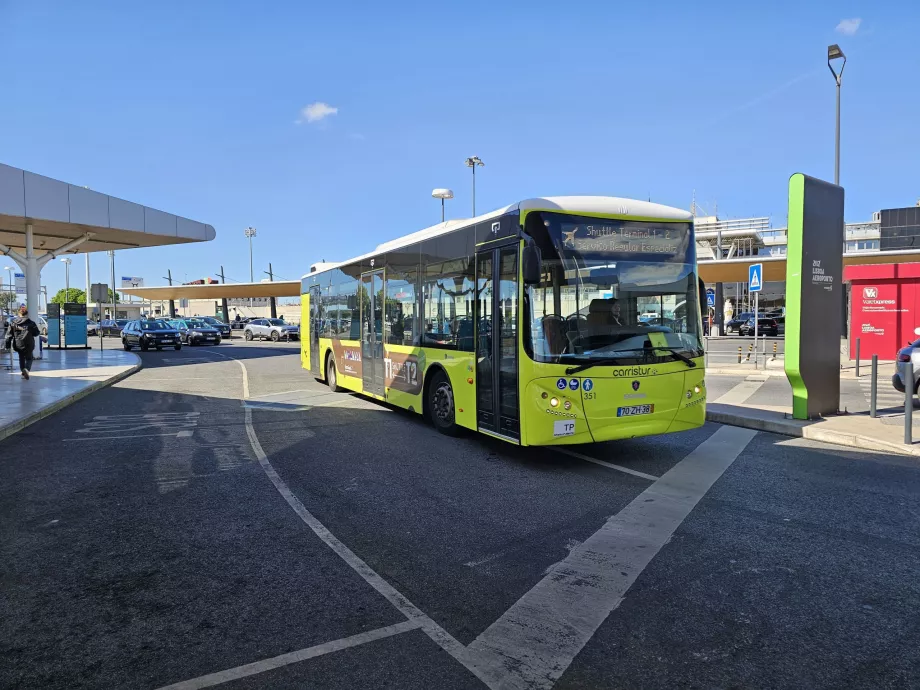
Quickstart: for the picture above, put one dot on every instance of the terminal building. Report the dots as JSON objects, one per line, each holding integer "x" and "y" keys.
{"x": 725, "y": 249}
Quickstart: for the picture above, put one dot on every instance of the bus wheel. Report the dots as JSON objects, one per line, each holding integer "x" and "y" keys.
{"x": 331, "y": 379}
{"x": 441, "y": 404}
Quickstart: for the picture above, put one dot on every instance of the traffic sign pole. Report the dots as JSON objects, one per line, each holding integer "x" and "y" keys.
{"x": 755, "y": 285}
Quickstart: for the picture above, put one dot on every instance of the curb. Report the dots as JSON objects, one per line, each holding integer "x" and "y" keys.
{"x": 726, "y": 371}
{"x": 14, "y": 427}
{"x": 812, "y": 433}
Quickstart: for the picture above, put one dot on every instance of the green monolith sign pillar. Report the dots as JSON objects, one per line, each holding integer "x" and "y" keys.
{"x": 814, "y": 294}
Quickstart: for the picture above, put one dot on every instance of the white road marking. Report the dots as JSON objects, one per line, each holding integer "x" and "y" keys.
{"x": 252, "y": 669}
{"x": 534, "y": 642}
{"x": 178, "y": 434}
{"x": 441, "y": 637}
{"x": 620, "y": 468}
{"x": 740, "y": 393}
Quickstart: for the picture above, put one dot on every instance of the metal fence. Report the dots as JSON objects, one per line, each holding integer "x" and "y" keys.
{"x": 756, "y": 352}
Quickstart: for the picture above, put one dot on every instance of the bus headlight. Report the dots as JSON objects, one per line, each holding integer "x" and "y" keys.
{"x": 697, "y": 389}
{"x": 554, "y": 402}
{"x": 567, "y": 405}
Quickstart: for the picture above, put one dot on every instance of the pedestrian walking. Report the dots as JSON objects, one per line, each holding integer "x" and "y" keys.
{"x": 20, "y": 336}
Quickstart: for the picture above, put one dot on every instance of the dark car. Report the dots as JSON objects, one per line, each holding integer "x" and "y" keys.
{"x": 224, "y": 328}
{"x": 240, "y": 324}
{"x": 112, "y": 327}
{"x": 765, "y": 326}
{"x": 148, "y": 333}
{"x": 735, "y": 324}
{"x": 196, "y": 331}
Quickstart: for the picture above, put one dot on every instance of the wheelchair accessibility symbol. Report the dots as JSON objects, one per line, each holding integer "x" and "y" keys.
{"x": 561, "y": 384}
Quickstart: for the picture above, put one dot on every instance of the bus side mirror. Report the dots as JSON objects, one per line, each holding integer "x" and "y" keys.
{"x": 532, "y": 265}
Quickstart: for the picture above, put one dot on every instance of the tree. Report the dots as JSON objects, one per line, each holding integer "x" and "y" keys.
{"x": 7, "y": 301}
{"x": 77, "y": 296}
{"x": 74, "y": 295}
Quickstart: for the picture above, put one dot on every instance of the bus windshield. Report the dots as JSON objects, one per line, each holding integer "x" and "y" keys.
{"x": 607, "y": 286}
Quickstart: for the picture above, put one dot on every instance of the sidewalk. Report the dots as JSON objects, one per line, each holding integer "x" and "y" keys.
{"x": 59, "y": 379}
{"x": 764, "y": 402}
{"x": 775, "y": 367}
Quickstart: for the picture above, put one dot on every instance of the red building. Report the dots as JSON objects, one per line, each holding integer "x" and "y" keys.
{"x": 884, "y": 309}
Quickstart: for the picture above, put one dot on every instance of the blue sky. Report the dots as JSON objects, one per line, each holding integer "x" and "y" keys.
{"x": 198, "y": 109}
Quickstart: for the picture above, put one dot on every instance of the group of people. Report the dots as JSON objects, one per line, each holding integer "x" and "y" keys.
{"x": 21, "y": 332}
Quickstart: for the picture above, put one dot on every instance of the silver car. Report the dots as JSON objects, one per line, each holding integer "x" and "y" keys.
{"x": 276, "y": 329}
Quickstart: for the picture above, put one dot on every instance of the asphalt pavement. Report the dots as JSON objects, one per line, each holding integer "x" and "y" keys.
{"x": 167, "y": 531}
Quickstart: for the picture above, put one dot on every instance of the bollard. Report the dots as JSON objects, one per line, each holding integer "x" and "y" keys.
{"x": 857, "y": 358}
{"x": 750, "y": 350}
{"x": 774, "y": 350}
{"x": 908, "y": 378}
{"x": 739, "y": 354}
{"x": 873, "y": 388}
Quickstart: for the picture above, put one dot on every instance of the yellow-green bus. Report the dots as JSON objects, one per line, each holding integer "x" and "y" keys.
{"x": 555, "y": 320}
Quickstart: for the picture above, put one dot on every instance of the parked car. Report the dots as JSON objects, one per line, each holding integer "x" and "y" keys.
{"x": 276, "y": 329}
{"x": 765, "y": 326}
{"x": 910, "y": 353}
{"x": 42, "y": 324}
{"x": 92, "y": 328}
{"x": 240, "y": 324}
{"x": 224, "y": 328}
{"x": 147, "y": 333}
{"x": 195, "y": 331}
{"x": 113, "y": 327}
{"x": 735, "y": 324}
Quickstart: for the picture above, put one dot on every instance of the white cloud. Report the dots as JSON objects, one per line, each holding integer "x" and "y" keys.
{"x": 316, "y": 112}
{"x": 848, "y": 27}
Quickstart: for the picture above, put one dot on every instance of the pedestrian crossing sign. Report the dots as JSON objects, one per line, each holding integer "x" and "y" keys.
{"x": 755, "y": 277}
{"x": 710, "y": 298}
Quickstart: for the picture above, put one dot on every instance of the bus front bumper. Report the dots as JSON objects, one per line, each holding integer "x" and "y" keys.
{"x": 613, "y": 407}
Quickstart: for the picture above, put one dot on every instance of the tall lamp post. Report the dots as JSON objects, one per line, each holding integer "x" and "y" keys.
{"x": 834, "y": 53}
{"x": 472, "y": 162}
{"x": 442, "y": 194}
{"x": 66, "y": 261}
{"x": 9, "y": 269}
{"x": 250, "y": 232}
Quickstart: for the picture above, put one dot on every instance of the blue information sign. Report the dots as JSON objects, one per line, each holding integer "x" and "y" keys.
{"x": 755, "y": 277}
{"x": 74, "y": 318}
{"x": 710, "y": 298}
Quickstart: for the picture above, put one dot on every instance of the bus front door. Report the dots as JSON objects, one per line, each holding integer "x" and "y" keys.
{"x": 372, "y": 332}
{"x": 315, "y": 326}
{"x": 497, "y": 408}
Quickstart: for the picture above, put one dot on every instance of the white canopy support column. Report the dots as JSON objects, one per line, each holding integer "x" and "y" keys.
{"x": 32, "y": 266}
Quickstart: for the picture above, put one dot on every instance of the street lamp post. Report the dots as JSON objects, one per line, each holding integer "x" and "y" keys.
{"x": 472, "y": 162}
{"x": 250, "y": 232}
{"x": 834, "y": 53}
{"x": 66, "y": 261}
{"x": 442, "y": 194}
{"x": 9, "y": 269}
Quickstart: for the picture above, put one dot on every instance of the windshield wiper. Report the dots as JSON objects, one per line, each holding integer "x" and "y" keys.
{"x": 588, "y": 365}
{"x": 675, "y": 353}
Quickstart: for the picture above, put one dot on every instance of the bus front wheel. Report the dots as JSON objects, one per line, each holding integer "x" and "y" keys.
{"x": 441, "y": 404}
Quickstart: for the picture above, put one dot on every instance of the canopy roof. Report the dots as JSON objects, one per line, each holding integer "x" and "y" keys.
{"x": 279, "y": 288}
{"x": 61, "y": 212}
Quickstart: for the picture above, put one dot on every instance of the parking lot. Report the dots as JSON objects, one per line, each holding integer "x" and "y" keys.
{"x": 221, "y": 519}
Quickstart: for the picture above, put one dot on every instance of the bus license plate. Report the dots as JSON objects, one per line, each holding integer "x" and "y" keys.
{"x": 632, "y": 410}
{"x": 564, "y": 428}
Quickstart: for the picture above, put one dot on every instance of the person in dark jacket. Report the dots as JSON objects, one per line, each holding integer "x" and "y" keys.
{"x": 21, "y": 337}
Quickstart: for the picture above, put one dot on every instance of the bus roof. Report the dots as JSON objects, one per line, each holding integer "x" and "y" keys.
{"x": 570, "y": 204}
